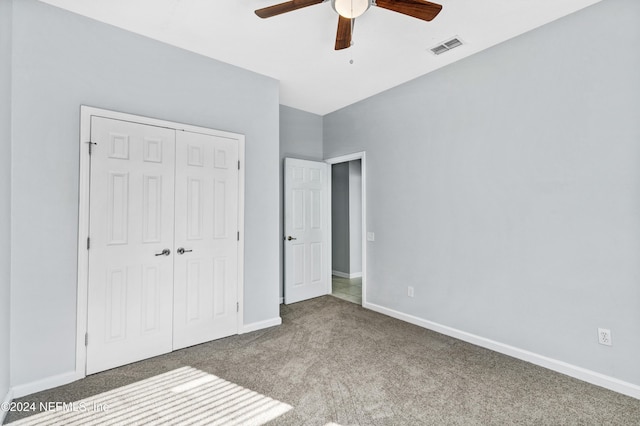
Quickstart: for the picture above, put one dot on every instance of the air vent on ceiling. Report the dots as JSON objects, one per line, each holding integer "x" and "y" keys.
{"x": 446, "y": 46}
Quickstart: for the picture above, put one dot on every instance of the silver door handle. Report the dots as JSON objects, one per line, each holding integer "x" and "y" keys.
{"x": 165, "y": 252}
{"x": 181, "y": 250}
{"x": 289, "y": 238}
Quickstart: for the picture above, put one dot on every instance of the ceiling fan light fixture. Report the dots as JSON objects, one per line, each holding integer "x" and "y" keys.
{"x": 350, "y": 9}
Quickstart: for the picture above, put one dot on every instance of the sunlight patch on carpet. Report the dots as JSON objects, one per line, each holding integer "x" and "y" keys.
{"x": 182, "y": 396}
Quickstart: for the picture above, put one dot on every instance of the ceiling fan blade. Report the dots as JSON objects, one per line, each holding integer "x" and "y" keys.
{"x": 420, "y": 9}
{"x": 343, "y": 36}
{"x": 288, "y": 6}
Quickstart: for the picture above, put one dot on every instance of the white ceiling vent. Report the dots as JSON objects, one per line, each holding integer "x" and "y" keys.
{"x": 446, "y": 46}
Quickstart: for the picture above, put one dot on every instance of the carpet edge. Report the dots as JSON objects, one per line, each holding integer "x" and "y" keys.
{"x": 580, "y": 373}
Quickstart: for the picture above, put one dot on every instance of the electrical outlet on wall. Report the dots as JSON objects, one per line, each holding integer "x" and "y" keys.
{"x": 604, "y": 336}
{"x": 410, "y": 291}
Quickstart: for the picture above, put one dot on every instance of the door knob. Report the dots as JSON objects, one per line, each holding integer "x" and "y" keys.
{"x": 165, "y": 252}
{"x": 181, "y": 250}
{"x": 289, "y": 238}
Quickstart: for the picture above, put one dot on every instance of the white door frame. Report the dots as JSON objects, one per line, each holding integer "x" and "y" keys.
{"x": 86, "y": 112}
{"x": 343, "y": 159}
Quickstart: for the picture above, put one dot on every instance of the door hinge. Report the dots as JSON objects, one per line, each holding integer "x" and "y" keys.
{"x": 238, "y": 164}
{"x": 238, "y": 235}
{"x": 86, "y": 339}
{"x": 237, "y": 306}
{"x": 91, "y": 146}
{"x": 88, "y": 243}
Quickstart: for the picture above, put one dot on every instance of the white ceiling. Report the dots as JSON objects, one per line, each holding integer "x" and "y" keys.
{"x": 296, "y": 48}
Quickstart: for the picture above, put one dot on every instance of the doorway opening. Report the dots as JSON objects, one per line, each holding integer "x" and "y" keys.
{"x": 348, "y": 228}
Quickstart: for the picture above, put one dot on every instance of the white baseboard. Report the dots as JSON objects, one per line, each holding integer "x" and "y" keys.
{"x": 580, "y": 373}
{"x": 345, "y": 275}
{"x": 248, "y": 328}
{"x": 44, "y": 384}
{"x": 66, "y": 378}
{"x": 7, "y": 400}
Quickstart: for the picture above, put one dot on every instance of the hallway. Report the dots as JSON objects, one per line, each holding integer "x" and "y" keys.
{"x": 347, "y": 289}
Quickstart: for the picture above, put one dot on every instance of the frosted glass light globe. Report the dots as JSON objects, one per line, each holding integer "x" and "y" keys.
{"x": 350, "y": 8}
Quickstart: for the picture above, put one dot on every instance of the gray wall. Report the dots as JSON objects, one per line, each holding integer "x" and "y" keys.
{"x": 5, "y": 191}
{"x": 340, "y": 218}
{"x": 66, "y": 60}
{"x": 355, "y": 217}
{"x": 505, "y": 189}
{"x": 346, "y": 217}
{"x": 300, "y": 137}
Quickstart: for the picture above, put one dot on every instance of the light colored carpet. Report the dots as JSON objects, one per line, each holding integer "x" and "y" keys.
{"x": 334, "y": 362}
{"x": 184, "y": 396}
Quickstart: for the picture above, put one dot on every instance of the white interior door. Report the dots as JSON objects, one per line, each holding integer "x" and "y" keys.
{"x": 306, "y": 230}
{"x": 206, "y": 239}
{"x": 130, "y": 290}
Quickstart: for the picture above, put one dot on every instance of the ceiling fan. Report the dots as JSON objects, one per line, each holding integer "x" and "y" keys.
{"x": 348, "y": 10}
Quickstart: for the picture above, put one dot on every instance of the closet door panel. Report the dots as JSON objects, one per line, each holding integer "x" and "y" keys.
{"x": 130, "y": 288}
{"x": 206, "y": 233}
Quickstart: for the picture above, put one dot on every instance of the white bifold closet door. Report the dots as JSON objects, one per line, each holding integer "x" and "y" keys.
{"x": 206, "y": 227}
{"x": 163, "y": 241}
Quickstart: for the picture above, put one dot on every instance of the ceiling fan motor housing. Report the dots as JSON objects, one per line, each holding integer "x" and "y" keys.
{"x": 350, "y": 8}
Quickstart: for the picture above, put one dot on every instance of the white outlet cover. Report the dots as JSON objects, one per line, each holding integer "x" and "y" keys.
{"x": 604, "y": 336}
{"x": 371, "y": 236}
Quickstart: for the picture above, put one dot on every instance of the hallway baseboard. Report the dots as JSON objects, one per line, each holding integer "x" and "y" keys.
{"x": 346, "y": 275}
